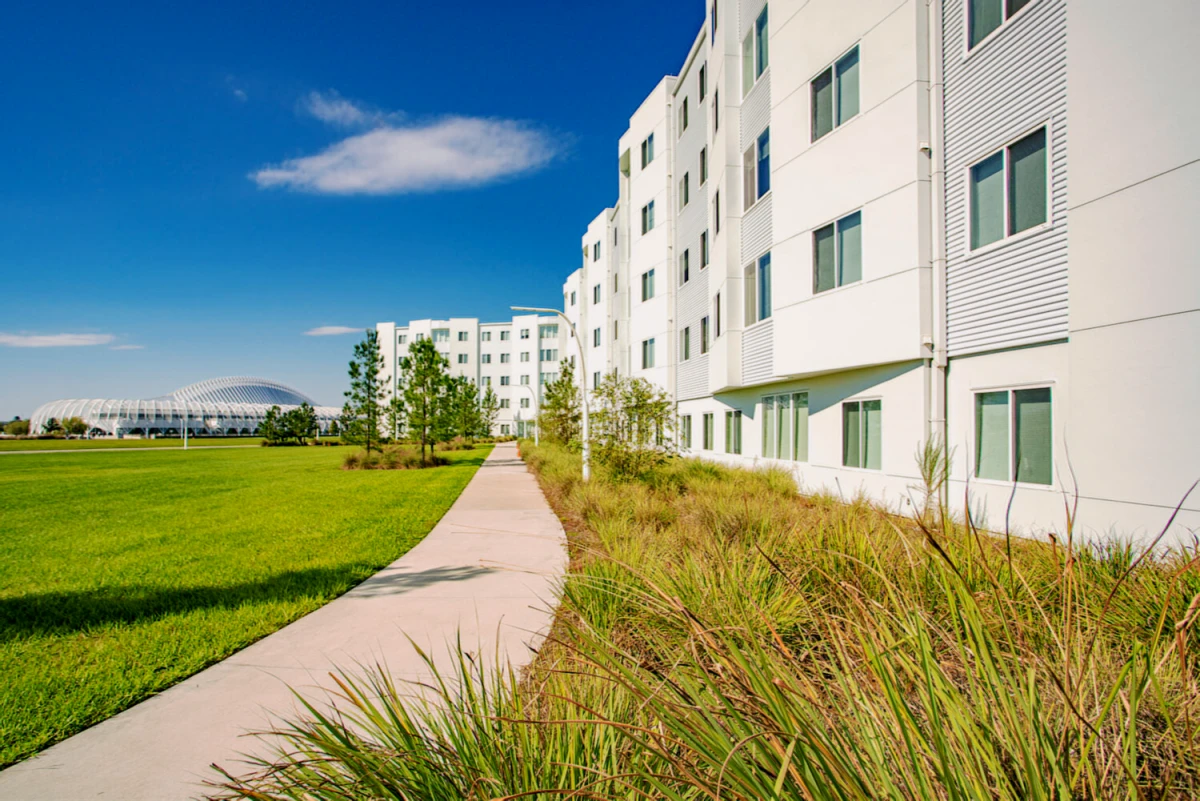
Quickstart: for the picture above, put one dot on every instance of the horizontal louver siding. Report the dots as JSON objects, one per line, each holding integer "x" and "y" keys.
{"x": 691, "y": 305}
{"x": 756, "y": 230}
{"x": 1016, "y": 293}
{"x": 758, "y": 352}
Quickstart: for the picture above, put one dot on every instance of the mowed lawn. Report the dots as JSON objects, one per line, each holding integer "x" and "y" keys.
{"x": 105, "y": 444}
{"x": 122, "y": 573}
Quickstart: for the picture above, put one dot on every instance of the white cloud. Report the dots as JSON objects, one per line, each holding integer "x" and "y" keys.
{"x": 54, "y": 340}
{"x": 127, "y": 347}
{"x": 331, "y": 331}
{"x": 447, "y": 153}
{"x": 334, "y": 109}
{"x": 240, "y": 94}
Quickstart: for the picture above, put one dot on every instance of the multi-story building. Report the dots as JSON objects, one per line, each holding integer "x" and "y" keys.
{"x": 844, "y": 230}
{"x": 516, "y": 358}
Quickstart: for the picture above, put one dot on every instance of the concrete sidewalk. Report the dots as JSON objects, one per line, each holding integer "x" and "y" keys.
{"x": 489, "y": 570}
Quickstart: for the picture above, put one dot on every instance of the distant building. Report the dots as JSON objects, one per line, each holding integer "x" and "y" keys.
{"x": 217, "y": 407}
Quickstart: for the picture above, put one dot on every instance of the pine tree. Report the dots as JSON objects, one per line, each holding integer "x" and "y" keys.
{"x": 396, "y": 415}
{"x": 367, "y": 396}
{"x": 561, "y": 411}
{"x": 489, "y": 410}
{"x": 425, "y": 384}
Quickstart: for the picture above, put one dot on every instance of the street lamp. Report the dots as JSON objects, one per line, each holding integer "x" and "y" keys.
{"x": 535, "y": 410}
{"x": 587, "y": 451}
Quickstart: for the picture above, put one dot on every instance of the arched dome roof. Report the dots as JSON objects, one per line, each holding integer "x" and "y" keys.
{"x": 241, "y": 389}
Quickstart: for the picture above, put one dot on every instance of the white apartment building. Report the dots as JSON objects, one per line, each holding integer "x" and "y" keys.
{"x": 847, "y": 227}
{"x": 516, "y": 358}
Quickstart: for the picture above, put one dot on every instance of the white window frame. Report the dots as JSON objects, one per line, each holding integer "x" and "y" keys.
{"x": 648, "y": 348}
{"x": 1008, "y": 238}
{"x": 752, "y": 37}
{"x": 683, "y": 116}
{"x": 703, "y": 166}
{"x": 685, "y": 267}
{"x": 750, "y": 176}
{"x": 837, "y": 253}
{"x": 968, "y": 50}
{"x": 595, "y": 294}
{"x": 1011, "y": 389}
{"x": 648, "y": 281}
{"x": 791, "y": 395}
{"x": 812, "y": 109}
{"x": 842, "y": 434}
{"x": 648, "y": 150}
{"x": 685, "y": 190}
{"x": 685, "y": 343}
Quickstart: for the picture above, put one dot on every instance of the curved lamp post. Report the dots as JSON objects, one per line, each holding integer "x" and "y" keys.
{"x": 536, "y": 408}
{"x": 587, "y": 452}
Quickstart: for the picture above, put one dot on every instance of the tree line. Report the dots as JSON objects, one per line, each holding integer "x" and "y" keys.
{"x": 426, "y": 406}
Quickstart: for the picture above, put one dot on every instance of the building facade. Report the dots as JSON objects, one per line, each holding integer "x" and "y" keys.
{"x": 516, "y": 358}
{"x": 844, "y": 230}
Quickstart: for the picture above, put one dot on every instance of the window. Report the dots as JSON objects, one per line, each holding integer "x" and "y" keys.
{"x": 504, "y": 358}
{"x": 441, "y": 335}
{"x": 525, "y": 401}
{"x": 504, "y": 336}
{"x": 684, "y": 191}
{"x": 504, "y": 402}
{"x": 684, "y": 267}
{"x": 717, "y": 315}
{"x": 703, "y": 250}
{"x": 596, "y": 338}
{"x": 615, "y": 277}
{"x": 524, "y": 333}
{"x": 549, "y": 354}
{"x": 685, "y": 431}
{"x": 648, "y": 217}
{"x": 785, "y": 426}
{"x": 596, "y": 378}
{"x": 758, "y": 290}
{"x": 485, "y": 358}
{"x": 713, "y": 19}
{"x": 1008, "y": 191}
{"x": 505, "y": 429}
{"x": 837, "y": 253}
{"x": 708, "y": 432}
{"x": 596, "y": 251}
{"x": 862, "y": 432}
{"x": 504, "y": 381}
{"x": 647, "y": 353}
{"x": 572, "y": 297}
{"x": 647, "y": 150}
{"x": 595, "y": 294}
{"x": 420, "y": 337}
{"x": 525, "y": 380}
{"x": 835, "y": 95}
{"x": 685, "y": 343}
{"x": 733, "y": 432}
{"x": 548, "y": 378}
{"x": 402, "y": 339}
{"x": 486, "y": 380}
{"x": 716, "y": 110}
{"x": 703, "y": 335}
{"x": 525, "y": 356}
{"x": 754, "y": 53}
{"x": 683, "y": 116}
{"x": 717, "y": 213}
{"x": 647, "y": 285}
{"x": 462, "y": 336}
{"x": 756, "y": 170}
{"x": 445, "y": 354}
{"x": 703, "y": 81}
{"x": 614, "y": 329}
{"x": 462, "y": 358}
{"x": 548, "y": 331}
{"x": 486, "y": 336}
{"x": 985, "y": 16}
{"x": 703, "y": 165}
{"x": 1013, "y": 436}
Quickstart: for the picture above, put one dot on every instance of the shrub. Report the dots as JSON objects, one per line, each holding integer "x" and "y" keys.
{"x": 392, "y": 458}
{"x": 457, "y": 444}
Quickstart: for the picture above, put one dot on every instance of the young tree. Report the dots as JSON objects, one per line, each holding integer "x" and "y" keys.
{"x": 396, "y": 415}
{"x": 17, "y": 428}
{"x": 489, "y": 410}
{"x": 425, "y": 384}
{"x": 52, "y": 426}
{"x": 75, "y": 426}
{"x": 271, "y": 427}
{"x": 561, "y": 411}
{"x": 301, "y": 423}
{"x": 368, "y": 395}
{"x": 461, "y": 414}
{"x": 633, "y": 425}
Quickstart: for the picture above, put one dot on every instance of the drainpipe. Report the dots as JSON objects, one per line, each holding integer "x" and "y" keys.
{"x": 936, "y": 424}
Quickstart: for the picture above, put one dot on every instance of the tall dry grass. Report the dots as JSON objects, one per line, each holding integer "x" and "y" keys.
{"x": 721, "y": 637}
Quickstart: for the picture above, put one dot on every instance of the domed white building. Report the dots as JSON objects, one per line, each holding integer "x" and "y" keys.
{"x": 217, "y": 407}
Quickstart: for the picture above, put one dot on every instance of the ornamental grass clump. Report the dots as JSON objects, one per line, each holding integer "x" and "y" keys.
{"x": 722, "y": 637}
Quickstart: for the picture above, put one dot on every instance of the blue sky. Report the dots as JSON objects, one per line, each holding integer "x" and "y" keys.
{"x": 191, "y": 188}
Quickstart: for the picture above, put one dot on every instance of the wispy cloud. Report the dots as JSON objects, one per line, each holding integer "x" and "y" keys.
{"x": 397, "y": 156}
{"x": 240, "y": 94}
{"x": 331, "y": 331}
{"x": 128, "y": 347}
{"x": 54, "y": 340}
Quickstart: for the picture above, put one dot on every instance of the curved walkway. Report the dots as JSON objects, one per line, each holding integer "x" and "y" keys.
{"x": 489, "y": 570}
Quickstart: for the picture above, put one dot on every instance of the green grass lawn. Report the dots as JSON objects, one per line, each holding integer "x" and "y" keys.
{"x": 122, "y": 573}
{"x": 89, "y": 444}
